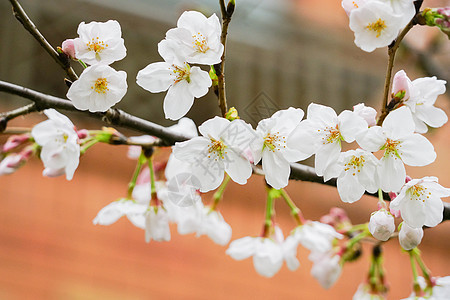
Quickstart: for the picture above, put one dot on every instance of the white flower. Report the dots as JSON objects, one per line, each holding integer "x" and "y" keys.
{"x": 420, "y": 202}
{"x": 316, "y": 236}
{"x": 403, "y": 8}
{"x": 203, "y": 221}
{"x": 98, "y": 88}
{"x": 321, "y": 134}
{"x": 401, "y": 145}
{"x": 409, "y": 237}
{"x": 217, "y": 150}
{"x": 375, "y": 25}
{"x": 366, "y": 112}
{"x": 182, "y": 82}
{"x": 60, "y": 151}
{"x": 424, "y": 94}
{"x": 99, "y": 43}
{"x": 117, "y": 209}
{"x": 356, "y": 172}
{"x": 267, "y": 254}
{"x": 270, "y": 145}
{"x": 363, "y": 293}
{"x": 197, "y": 38}
{"x": 157, "y": 224}
{"x": 327, "y": 267}
{"x": 381, "y": 225}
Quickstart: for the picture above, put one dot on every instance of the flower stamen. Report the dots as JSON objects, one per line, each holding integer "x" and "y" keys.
{"x": 100, "y": 86}
{"x": 377, "y": 26}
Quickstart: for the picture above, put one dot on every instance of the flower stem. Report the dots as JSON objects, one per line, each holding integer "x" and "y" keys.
{"x": 219, "y": 193}
{"x": 132, "y": 183}
{"x": 295, "y": 211}
{"x": 88, "y": 144}
{"x": 82, "y": 63}
{"x": 270, "y": 213}
{"x": 416, "y": 285}
{"x": 425, "y": 271}
{"x": 152, "y": 182}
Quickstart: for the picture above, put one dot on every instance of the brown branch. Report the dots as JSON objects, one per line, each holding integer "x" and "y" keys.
{"x": 61, "y": 60}
{"x": 168, "y": 137}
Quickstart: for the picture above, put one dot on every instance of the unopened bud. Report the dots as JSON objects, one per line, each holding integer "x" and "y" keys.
{"x": 409, "y": 237}
{"x": 232, "y": 114}
{"x": 10, "y": 164}
{"x": 381, "y": 225}
{"x": 367, "y": 113}
{"x": 401, "y": 86}
{"x": 15, "y": 141}
{"x": 83, "y": 133}
{"x": 68, "y": 48}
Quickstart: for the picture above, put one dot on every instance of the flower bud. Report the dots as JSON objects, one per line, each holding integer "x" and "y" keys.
{"x": 15, "y": 141}
{"x": 401, "y": 86}
{"x": 366, "y": 112}
{"x": 409, "y": 237}
{"x": 10, "y": 164}
{"x": 82, "y": 133}
{"x": 68, "y": 48}
{"x": 438, "y": 17}
{"x": 381, "y": 225}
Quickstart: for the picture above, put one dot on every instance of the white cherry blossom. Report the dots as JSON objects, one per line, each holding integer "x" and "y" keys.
{"x": 381, "y": 225}
{"x": 327, "y": 267}
{"x": 316, "y": 236}
{"x": 420, "y": 202}
{"x": 270, "y": 146}
{"x": 401, "y": 146}
{"x": 182, "y": 82}
{"x": 157, "y": 224}
{"x": 219, "y": 149}
{"x": 98, "y": 88}
{"x": 117, "y": 209}
{"x": 99, "y": 42}
{"x": 408, "y": 237}
{"x": 322, "y": 132}
{"x": 375, "y": 25}
{"x": 59, "y": 141}
{"x": 356, "y": 172}
{"x": 197, "y": 38}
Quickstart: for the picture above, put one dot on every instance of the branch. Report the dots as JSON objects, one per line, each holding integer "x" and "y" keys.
{"x": 62, "y": 60}
{"x": 120, "y": 118}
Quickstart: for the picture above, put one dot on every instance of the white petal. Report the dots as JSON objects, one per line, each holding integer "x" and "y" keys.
{"x": 156, "y": 77}
{"x": 276, "y": 169}
{"x": 431, "y": 115}
{"x": 392, "y": 173}
{"x": 350, "y": 190}
{"x": 178, "y": 101}
{"x": 399, "y": 123}
{"x": 351, "y": 125}
{"x": 416, "y": 150}
{"x": 373, "y": 139}
{"x": 237, "y": 167}
{"x": 326, "y": 155}
{"x": 242, "y": 248}
{"x": 200, "y": 82}
{"x": 214, "y": 128}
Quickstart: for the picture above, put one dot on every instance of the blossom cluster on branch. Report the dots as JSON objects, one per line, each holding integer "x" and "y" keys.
{"x": 226, "y": 148}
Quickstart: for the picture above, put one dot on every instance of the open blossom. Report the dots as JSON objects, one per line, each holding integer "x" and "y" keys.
{"x": 401, "y": 146}
{"x": 327, "y": 267}
{"x": 420, "y": 202}
{"x": 270, "y": 145}
{"x": 381, "y": 225}
{"x": 98, "y": 88}
{"x": 356, "y": 172}
{"x": 409, "y": 237}
{"x": 182, "y": 82}
{"x": 59, "y": 141}
{"x": 218, "y": 150}
{"x": 157, "y": 224}
{"x": 197, "y": 38}
{"x": 440, "y": 291}
{"x": 375, "y": 25}
{"x": 321, "y": 134}
{"x": 316, "y": 236}
{"x": 99, "y": 42}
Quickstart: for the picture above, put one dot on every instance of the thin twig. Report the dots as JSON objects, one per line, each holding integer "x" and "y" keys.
{"x": 25, "y": 110}
{"x": 220, "y": 68}
{"x": 168, "y": 137}
{"x": 62, "y": 60}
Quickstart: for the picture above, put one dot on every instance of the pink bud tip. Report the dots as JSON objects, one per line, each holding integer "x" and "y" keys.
{"x": 408, "y": 179}
{"x": 68, "y": 48}
{"x": 392, "y": 195}
{"x": 82, "y": 133}
{"x": 15, "y": 141}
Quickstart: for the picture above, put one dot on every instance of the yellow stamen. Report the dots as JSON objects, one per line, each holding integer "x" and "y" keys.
{"x": 274, "y": 141}
{"x": 218, "y": 148}
{"x": 200, "y": 43}
{"x": 96, "y": 45}
{"x": 377, "y": 26}
{"x": 100, "y": 86}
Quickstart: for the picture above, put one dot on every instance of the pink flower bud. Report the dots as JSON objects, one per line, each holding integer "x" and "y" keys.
{"x": 10, "y": 164}
{"x": 392, "y": 195}
{"x": 69, "y": 48}
{"x": 409, "y": 237}
{"x": 82, "y": 133}
{"x": 15, "y": 141}
{"x": 381, "y": 225}
{"x": 401, "y": 86}
{"x": 367, "y": 113}
{"x": 53, "y": 172}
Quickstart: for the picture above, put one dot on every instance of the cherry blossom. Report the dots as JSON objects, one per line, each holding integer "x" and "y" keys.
{"x": 316, "y": 236}
{"x": 375, "y": 25}
{"x": 98, "y": 88}
{"x": 112, "y": 212}
{"x": 327, "y": 267}
{"x": 197, "y": 38}
{"x": 217, "y": 150}
{"x": 60, "y": 151}
{"x": 409, "y": 237}
{"x": 270, "y": 146}
{"x": 401, "y": 146}
{"x": 157, "y": 224}
{"x": 99, "y": 42}
{"x": 420, "y": 202}
{"x": 182, "y": 82}
{"x": 381, "y": 225}
{"x": 321, "y": 134}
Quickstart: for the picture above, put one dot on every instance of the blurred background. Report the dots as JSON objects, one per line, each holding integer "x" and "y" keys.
{"x": 280, "y": 53}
